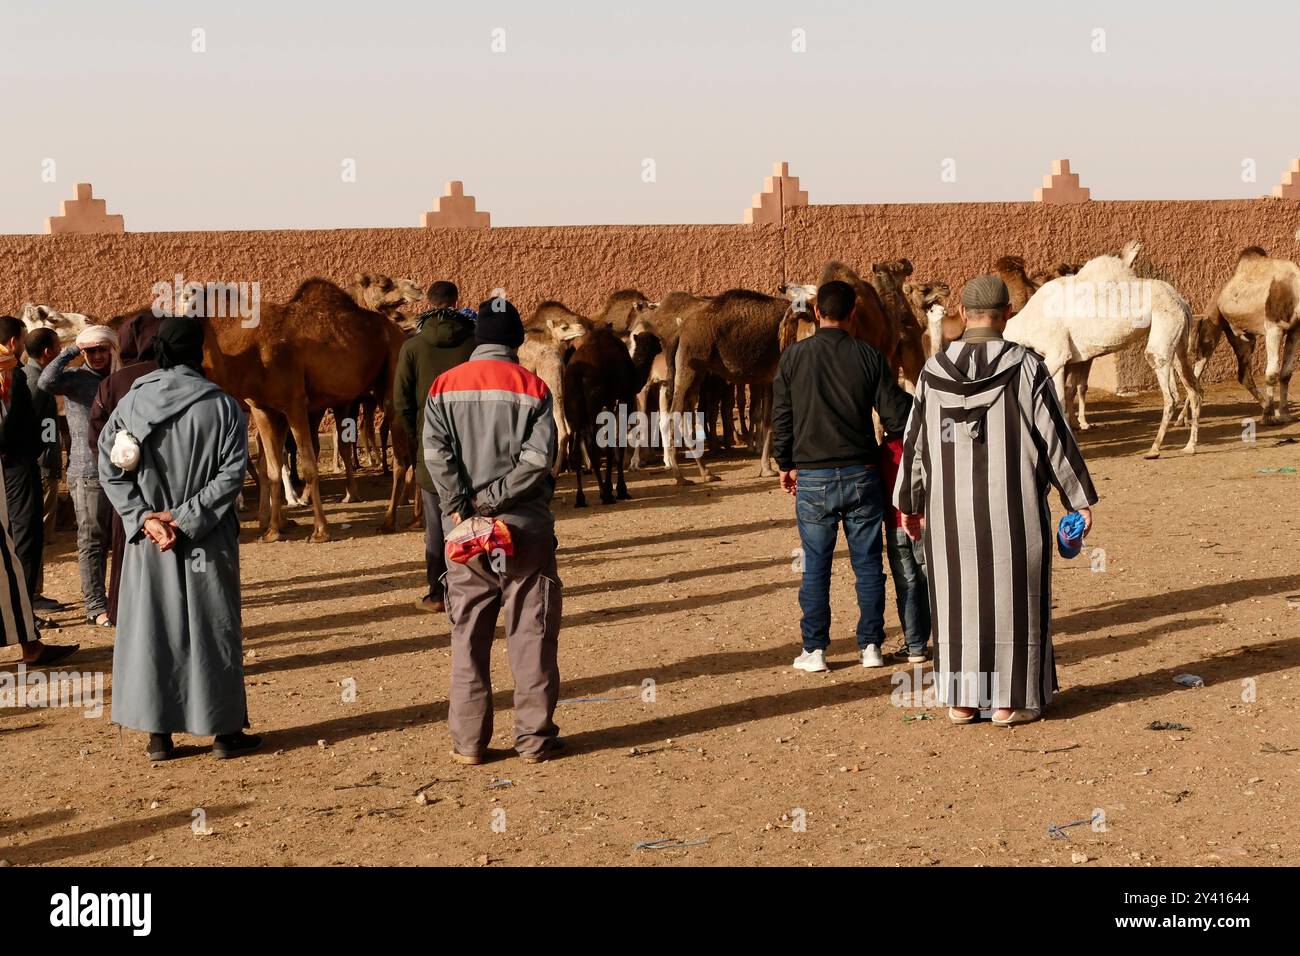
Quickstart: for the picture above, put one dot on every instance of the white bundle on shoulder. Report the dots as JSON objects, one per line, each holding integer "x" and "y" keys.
{"x": 125, "y": 453}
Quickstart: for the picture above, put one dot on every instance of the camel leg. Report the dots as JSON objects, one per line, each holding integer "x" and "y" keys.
{"x": 300, "y": 426}
{"x": 1165, "y": 376}
{"x": 402, "y": 458}
{"x": 1284, "y": 377}
{"x": 575, "y": 458}
{"x": 605, "y": 477}
{"x": 1243, "y": 344}
{"x": 1202, "y": 341}
{"x": 665, "y": 423}
{"x": 621, "y": 488}
{"x": 341, "y": 414}
{"x": 1274, "y": 341}
{"x": 763, "y": 429}
{"x": 264, "y": 485}
{"x": 642, "y": 401}
{"x": 417, "y": 499}
{"x": 270, "y": 432}
{"x": 1192, "y": 404}
{"x": 686, "y": 394}
{"x": 1076, "y": 384}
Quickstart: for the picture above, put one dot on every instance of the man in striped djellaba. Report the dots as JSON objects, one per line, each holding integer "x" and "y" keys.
{"x": 985, "y": 442}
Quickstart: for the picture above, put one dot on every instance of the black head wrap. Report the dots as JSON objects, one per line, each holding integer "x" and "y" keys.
{"x": 179, "y": 341}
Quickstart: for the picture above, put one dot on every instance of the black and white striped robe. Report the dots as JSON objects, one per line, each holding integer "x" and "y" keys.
{"x": 985, "y": 440}
{"x": 16, "y": 624}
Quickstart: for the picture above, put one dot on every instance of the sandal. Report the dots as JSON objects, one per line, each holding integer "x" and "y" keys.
{"x": 99, "y": 620}
{"x": 957, "y": 718}
{"x": 1022, "y": 715}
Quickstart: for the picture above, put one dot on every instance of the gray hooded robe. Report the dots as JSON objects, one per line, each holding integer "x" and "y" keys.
{"x": 178, "y": 659}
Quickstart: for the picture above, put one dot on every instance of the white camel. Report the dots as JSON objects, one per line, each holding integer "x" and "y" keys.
{"x": 1106, "y": 308}
{"x": 67, "y": 324}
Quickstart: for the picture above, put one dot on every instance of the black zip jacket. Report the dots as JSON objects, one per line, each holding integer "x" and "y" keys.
{"x": 822, "y": 397}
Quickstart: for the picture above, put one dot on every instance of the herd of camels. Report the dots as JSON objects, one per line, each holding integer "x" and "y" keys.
{"x": 701, "y": 358}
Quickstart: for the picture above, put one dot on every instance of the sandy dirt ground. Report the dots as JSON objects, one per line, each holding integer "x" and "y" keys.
{"x": 737, "y": 755}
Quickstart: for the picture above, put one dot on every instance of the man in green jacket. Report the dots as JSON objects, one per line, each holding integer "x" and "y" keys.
{"x": 445, "y": 338}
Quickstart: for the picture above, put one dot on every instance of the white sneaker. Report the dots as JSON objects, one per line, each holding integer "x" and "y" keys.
{"x": 871, "y": 656}
{"x": 814, "y": 662}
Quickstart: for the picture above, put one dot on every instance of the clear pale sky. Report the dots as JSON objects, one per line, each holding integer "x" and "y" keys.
{"x": 252, "y": 133}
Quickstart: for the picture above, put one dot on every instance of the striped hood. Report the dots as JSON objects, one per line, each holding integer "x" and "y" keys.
{"x": 968, "y": 378}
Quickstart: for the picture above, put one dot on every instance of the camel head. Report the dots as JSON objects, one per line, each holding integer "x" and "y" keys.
{"x": 66, "y": 324}
{"x": 1130, "y": 252}
{"x": 385, "y": 295}
{"x": 894, "y": 269}
{"x": 623, "y": 308}
{"x": 643, "y": 344}
{"x": 802, "y": 295}
{"x": 1112, "y": 268}
{"x": 564, "y": 330}
{"x": 929, "y": 303}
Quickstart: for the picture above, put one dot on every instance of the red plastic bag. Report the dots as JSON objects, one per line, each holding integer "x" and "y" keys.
{"x": 478, "y": 535}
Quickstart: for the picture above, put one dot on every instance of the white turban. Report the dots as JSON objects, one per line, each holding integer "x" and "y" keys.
{"x": 98, "y": 336}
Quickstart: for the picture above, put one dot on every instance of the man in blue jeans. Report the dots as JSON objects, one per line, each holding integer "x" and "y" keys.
{"x": 825, "y": 445}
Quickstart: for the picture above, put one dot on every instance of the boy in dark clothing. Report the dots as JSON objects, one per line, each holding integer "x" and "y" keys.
{"x": 444, "y": 340}
{"x": 906, "y": 561}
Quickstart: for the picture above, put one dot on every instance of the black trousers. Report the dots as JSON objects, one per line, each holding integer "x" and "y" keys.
{"x": 26, "y": 503}
{"x": 435, "y": 547}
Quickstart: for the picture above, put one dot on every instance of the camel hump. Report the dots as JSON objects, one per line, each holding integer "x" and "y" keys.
{"x": 323, "y": 292}
{"x": 838, "y": 270}
{"x": 1009, "y": 264}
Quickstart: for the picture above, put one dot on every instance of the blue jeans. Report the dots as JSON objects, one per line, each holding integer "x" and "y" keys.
{"x": 911, "y": 588}
{"x": 825, "y": 499}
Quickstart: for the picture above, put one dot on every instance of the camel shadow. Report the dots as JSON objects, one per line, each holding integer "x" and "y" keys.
{"x": 679, "y": 536}
{"x": 1124, "y": 430}
{"x": 671, "y": 577}
{"x": 1144, "y": 607}
{"x": 114, "y": 835}
{"x": 1080, "y": 649}
{"x": 1246, "y": 662}
{"x": 403, "y": 567}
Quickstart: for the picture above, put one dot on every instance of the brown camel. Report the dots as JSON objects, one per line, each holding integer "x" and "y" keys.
{"x": 929, "y": 304}
{"x": 622, "y": 309}
{"x": 388, "y": 296}
{"x": 394, "y": 299}
{"x": 1261, "y": 298}
{"x": 870, "y": 322}
{"x": 555, "y": 322}
{"x": 737, "y": 337}
{"x": 601, "y": 382}
{"x": 889, "y": 279}
{"x": 546, "y": 360}
{"x": 318, "y": 351}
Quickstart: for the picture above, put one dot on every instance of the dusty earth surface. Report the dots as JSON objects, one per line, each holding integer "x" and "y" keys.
{"x": 737, "y": 755}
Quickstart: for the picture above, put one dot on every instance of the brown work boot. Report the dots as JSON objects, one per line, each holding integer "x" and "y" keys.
{"x": 471, "y": 760}
{"x": 432, "y": 605}
{"x": 553, "y": 749}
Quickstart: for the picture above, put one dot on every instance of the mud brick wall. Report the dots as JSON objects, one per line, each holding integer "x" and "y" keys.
{"x": 1190, "y": 244}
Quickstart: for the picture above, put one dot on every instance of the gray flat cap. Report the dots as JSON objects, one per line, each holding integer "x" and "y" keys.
{"x": 985, "y": 292}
